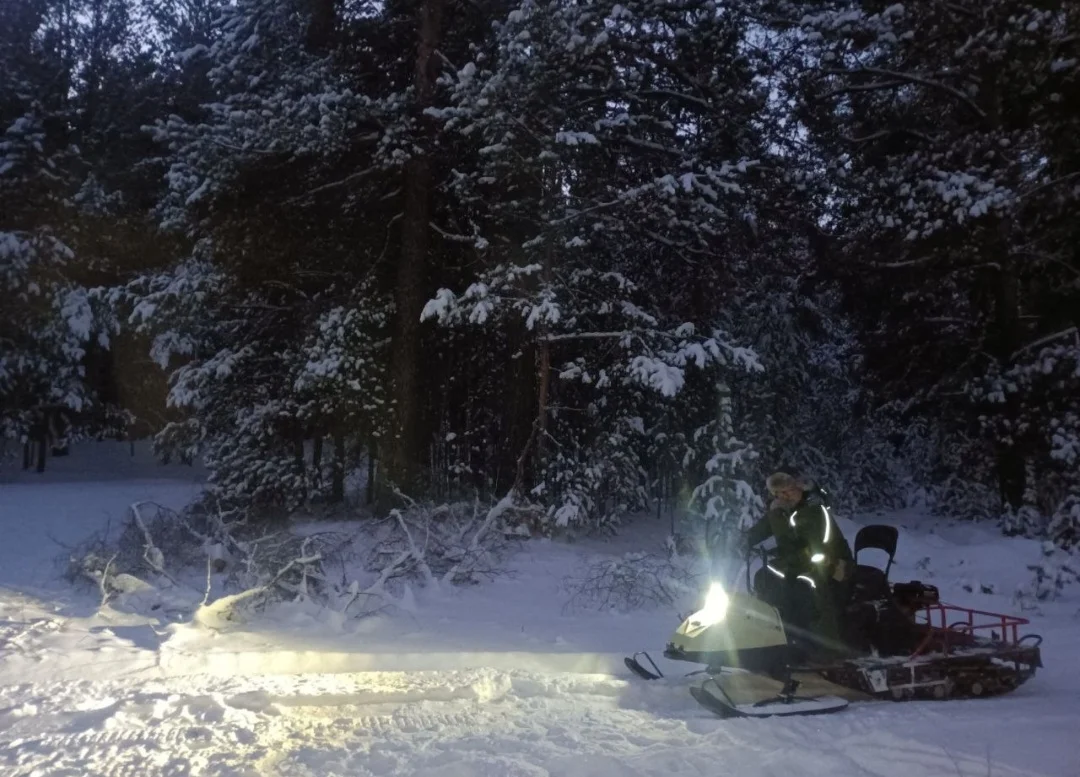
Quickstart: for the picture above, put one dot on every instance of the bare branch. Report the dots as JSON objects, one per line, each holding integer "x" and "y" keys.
{"x": 586, "y": 211}
{"x": 633, "y": 582}
{"x": 474, "y": 547}
{"x": 359, "y": 175}
{"x": 889, "y": 132}
{"x": 209, "y": 579}
{"x": 587, "y": 336}
{"x": 863, "y": 87}
{"x": 1048, "y": 184}
{"x": 960, "y": 10}
{"x": 241, "y": 150}
{"x": 900, "y": 265}
{"x": 911, "y": 78}
{"x": 103, "y": 583}
{"x": 519, "y": 479}
{"x": 649, "y": 145}
{"x": 152, "y": 554}
{"x": 1048, "y": 339}
{"x": 682, "y": 96}
{"x": 927, "y": 259}
{"x": 1044, "y": 257}
{"x": 446, "y": 60}
{"x": 451, "y": 236}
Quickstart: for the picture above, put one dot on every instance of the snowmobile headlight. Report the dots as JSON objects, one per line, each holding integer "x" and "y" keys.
{"x": 817, "y": 558}
{"x": 715, "y": 609}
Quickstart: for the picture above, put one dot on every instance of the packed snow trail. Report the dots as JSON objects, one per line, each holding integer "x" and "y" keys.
{"x": 482, "y": 723}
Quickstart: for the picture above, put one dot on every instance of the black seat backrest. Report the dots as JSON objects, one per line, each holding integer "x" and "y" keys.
{"x": 877, "y": 537}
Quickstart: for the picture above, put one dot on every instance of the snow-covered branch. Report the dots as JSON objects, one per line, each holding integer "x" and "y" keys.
{"x": 564, "y": 336}
{"x": 224, "y": 609}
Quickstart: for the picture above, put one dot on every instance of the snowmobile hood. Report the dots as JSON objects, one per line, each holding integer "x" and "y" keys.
{"x": 748, "y": 624}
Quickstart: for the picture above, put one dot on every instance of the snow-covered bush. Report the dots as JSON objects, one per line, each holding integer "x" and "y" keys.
{"x": 219, "y": 566}
{"x": 724, "y": 504}
{"x": 89, "y": 561}
{"x": 959, "y": 497}
{"x": 634, "y": 581}
{"x": 1056, "y": 570}
{"x": 449, "y": 544}
{"x": 1065, "y": 525}
{"x": 201, "y": 556}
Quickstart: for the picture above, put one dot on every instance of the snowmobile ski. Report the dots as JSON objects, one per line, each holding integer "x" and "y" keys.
{"x": 782, "y": 705}
{"x": 635, "y": 666}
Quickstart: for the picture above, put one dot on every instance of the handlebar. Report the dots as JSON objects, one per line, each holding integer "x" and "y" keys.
{"x": 764, "y": 554}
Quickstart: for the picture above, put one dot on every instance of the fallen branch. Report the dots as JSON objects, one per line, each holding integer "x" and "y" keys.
{"x": 152, "y": 554}
{"x": 226, "y": 605}
{"x": 493, "y": 515}
{"x": 103, "y": 581}
{"x": 416, "y": 553}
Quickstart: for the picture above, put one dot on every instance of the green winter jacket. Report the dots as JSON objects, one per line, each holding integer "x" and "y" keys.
{"x": 807, "y": 538}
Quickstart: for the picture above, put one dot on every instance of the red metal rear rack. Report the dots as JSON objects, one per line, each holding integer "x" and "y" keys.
{"x": 943, "y": 630}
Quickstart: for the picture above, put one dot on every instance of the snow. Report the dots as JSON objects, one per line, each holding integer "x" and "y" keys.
{"x": 499, "y": 679}
{"x": 574, "y": 138}
{"x": 664, "y": 378}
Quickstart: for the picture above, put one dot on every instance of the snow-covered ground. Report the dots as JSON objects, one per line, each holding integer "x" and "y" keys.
{"x": 497, "y": 680}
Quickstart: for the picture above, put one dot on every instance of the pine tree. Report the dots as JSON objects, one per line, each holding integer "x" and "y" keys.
{"x": 46, "y": 318}
{"x": 942, "y": 127}
{"x": 616, "y": 153}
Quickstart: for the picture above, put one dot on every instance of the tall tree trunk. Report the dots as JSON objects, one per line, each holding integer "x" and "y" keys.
{"x": 371, "y": 484}
{"x": 412, "y": 265}
{"x": 337, "y": 487}
{"x": 535, "y": 444}
{"x": 42, "y": 435}
{"x": 1012, "y": 478}
{"x": 298, "y": 457}
{"x": 543, "y": 358}
{"x": 316, "y": 457}
{"x": 320, "y": 31}
{"x": 298, "y": 446}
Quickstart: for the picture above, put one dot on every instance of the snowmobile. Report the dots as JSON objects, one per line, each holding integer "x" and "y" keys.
{"x": 898, "y": 641}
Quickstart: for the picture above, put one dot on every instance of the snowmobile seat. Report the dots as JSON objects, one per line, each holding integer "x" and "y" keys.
{"x": 869, "y": 583}
{"x": 877, "y": 537}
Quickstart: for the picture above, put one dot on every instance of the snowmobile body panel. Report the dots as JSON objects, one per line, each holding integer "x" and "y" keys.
{"x": 751, "y": 636}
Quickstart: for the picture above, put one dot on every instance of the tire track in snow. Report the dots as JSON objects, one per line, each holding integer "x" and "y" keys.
{"x": 164, "y": 737}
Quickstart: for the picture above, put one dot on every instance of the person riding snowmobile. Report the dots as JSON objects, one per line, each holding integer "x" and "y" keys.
{"x": 807, "y": 578}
